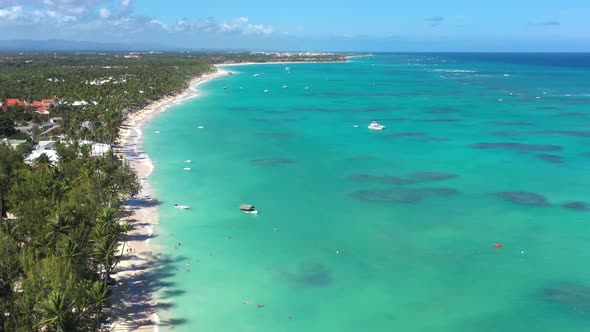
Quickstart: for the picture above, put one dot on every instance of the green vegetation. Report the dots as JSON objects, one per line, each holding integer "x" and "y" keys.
{"x": 60, "y": 223}
{"x": 59, "y": 251}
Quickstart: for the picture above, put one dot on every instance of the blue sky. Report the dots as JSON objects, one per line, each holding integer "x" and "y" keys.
{"x": 343, "y": 25}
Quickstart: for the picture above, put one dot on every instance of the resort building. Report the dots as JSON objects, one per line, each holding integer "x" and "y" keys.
{"x": 49, "y": 148}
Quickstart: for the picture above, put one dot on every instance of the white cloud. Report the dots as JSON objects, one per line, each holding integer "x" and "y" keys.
{"x": 241, "y": 25}
{"x": 11, "y": 13}
{"x": 109, "y": 18}
{"x": 104, "y": 13}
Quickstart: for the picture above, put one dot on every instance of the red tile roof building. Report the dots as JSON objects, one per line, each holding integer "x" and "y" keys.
{"x": 14, "y": 102}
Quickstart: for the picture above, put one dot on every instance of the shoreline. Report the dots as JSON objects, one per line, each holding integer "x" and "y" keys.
{"x": 223, "y": 65}
{"x": 135, "y": 304}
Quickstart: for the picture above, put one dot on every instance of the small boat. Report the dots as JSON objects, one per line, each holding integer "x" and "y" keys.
{"x": 200, "y": 127}
{"x": 265, "y": 91}
{"x": 250, "y": 209}
{"x": 356, "y": 126}
{"x": 188, "y": 161}
{"x": 225, "y": 88}
{"x": 182, "y": 207}
{"x": 285, "y": 86}
{"x": 187, "y": 168}
{"x": 306, "y": 88}
{"x": 256, "y": 75}
{"x": 287, "y": 68}
{"x": 156, "y": 132}
{"x": 376, "y": 126}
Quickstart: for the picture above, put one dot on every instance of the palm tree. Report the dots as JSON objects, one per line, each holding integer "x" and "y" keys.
{"x": 104, "y": 249}
{"x": 97, "y": 297}
{"x": 71, "y": 251}
{"x": 57, "y": 313}
{"x": 43, "y": 163}
{"x": 59, "y": 225}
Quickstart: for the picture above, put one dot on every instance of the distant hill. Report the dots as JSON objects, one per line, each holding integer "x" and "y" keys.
{"x": 69, "y": 45}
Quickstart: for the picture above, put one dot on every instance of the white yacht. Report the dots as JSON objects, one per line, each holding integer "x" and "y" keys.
{"x": 376, "y": 126}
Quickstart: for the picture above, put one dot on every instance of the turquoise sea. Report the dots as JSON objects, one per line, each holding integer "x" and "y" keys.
{"x": 391, "y": 230}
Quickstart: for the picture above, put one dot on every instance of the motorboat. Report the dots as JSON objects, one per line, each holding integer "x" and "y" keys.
{"x": 200, "y": 127}
{"x": 376, "y": 126}
{"x": 182, "y": 207}
{"x": 285, "y": 86}
{"x": 187, "y": 168}
{"x": 250, "y": 209}
{"x": 265, "y": 91}
{"x": 188, "y": 161}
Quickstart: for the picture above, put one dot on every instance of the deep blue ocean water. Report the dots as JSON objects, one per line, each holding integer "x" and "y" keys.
{"x": 380, "y": 231}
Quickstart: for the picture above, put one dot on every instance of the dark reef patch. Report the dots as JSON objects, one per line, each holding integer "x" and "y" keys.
{"x": 564, "y": 133}
{"x": 276, "y": 120}
{"x": 510, "y": 123}
{"x": 404, "y": 135}
{"x": 505, "y": 133}
{"x": 441, "y": 120}
{"x": 524, "y": 198}
{"x": 441, "y": 110}
{"x": 576, "y": 206}
{"x": 278, "y": 112}
{"x": 309, "y": 275}
{"x": 340, "y": 110}
{"x": 375, "y": 119}
{"x": 272, "y": 161}
{"x": 571, "y": 114}
{"x": 516, "y": 146}
{"x": 401, "y": 195}
{"x": 571, "y": 295}
{"x": 243, "y": 109}
{"x": 417, "y": 136}
{"x": 550, "y": 108}
{"x": 361, "y": 157}
{"x": 276, "y": 134}
{"x": 431, "y": 176}
{"x": 550, "y": 158}
{"x": 413, "y": 178}
{"x": 316, "y": 109}
{"x": 384, "y": 179}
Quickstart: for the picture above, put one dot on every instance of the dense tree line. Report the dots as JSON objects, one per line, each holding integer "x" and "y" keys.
{"x": 59, "y": 246}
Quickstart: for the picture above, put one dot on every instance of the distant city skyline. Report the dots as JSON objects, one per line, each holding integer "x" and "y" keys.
{"x": 421, "y": 25}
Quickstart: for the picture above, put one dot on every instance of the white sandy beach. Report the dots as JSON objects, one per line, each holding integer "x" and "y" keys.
{"x": 135, "y": 305}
